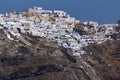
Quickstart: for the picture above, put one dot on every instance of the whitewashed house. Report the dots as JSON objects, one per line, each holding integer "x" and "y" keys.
{"x": 109, "y": 30}
{"x": 1, "y": 27}
{"x": 61, "y": 13}
{"x": 99, "y": 38}
{"x": 78, "y": 52}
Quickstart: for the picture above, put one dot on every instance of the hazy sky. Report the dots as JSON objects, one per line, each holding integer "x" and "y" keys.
{"x": 102, "y": 11}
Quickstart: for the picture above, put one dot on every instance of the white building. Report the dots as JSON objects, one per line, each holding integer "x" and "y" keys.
{"x": 109, "y": 30}
{"x": 61, "y": 13}
{"x": 92, "y": 23}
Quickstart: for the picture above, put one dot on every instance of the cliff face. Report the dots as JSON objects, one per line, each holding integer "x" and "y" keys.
{"x": 105, "y": 58}
{"x": 44, "y": 60}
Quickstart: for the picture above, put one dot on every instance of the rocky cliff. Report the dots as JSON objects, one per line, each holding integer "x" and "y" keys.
{"x": 44, "y": 60}
{"x": 105, "y": 59}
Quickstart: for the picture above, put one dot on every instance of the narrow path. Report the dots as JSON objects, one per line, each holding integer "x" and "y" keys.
{"x": 89, "y": 70}
{"x": 75, "y": 76}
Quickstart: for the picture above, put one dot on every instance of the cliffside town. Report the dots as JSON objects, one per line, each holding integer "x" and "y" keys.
{"x": 38, "y": 44}
{"x": 55, "y": 26}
